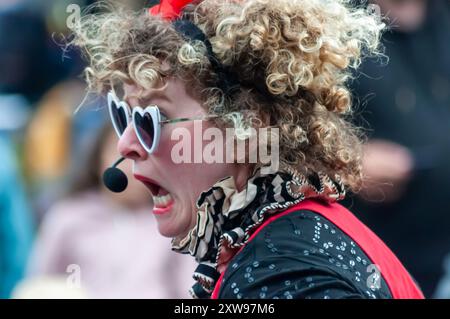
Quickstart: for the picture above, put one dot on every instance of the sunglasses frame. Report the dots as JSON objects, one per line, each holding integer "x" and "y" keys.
{"x": 155, "y": 115}
{"x": 158, "y": 119}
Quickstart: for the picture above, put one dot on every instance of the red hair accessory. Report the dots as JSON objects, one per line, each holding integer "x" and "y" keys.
{"x": 169, "y": 9}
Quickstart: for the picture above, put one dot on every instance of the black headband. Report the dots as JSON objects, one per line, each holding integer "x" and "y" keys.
{"x": 228, "y": 80}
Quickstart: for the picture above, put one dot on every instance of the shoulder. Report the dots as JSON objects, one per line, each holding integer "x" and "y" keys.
{"x": 300, "y": 255}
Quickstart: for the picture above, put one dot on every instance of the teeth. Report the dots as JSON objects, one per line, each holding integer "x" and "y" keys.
{"x": 162, "y": 201}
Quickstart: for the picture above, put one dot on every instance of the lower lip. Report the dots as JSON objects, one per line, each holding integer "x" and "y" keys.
{"x": 162, "y": 210}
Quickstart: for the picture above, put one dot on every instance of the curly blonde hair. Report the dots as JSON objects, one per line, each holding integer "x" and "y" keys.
{"x": 303, "y": 51}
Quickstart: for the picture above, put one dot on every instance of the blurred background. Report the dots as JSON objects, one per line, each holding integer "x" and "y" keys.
{"x": 63, "y": 235}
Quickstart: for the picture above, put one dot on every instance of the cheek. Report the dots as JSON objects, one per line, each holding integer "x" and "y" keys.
{"x": 188, "y": 177}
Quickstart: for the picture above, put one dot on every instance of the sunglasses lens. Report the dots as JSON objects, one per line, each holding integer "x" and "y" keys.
{"x": 145, "y": 129}
{"x": 119, "y": 117}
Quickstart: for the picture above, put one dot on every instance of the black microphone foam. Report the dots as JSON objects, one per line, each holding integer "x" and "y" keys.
{"x": 114, "y": 179}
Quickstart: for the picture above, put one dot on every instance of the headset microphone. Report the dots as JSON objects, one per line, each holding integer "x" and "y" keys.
{"x": 114, "y": 179}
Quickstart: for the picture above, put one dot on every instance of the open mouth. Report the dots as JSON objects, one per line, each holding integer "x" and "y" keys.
{"x": 162, "y": 199}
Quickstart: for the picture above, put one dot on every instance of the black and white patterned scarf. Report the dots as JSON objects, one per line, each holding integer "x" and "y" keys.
{"x": 226, "y": 216}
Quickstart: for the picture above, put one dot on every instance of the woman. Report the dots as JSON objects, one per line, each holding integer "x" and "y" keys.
{"x": 184, "y": 68}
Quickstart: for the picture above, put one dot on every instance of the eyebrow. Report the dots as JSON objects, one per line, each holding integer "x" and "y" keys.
{"x": 144, "y": 100}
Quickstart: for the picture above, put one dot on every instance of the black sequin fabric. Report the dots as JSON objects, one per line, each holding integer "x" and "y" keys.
{"x": 302, "y": 255}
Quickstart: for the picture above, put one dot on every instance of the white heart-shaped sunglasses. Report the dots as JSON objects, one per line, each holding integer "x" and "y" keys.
{"x": 147, "y": 122}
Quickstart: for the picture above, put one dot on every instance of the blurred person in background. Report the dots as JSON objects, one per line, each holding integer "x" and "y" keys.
{"x": 22, "y": 39}
{"x": 32, "y": 68}
{"x": 407, "y": 107}
{"x": 110, "y": 238}
{"x": 30, "y": 60}
{"x": 16, "y": 222}
{"x": 16, "y": 226}
{"x": 55, "y": 141}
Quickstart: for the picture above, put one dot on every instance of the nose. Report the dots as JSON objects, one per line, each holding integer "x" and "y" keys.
{"x": 129, "y": 145}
